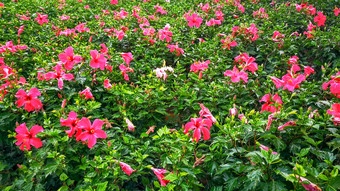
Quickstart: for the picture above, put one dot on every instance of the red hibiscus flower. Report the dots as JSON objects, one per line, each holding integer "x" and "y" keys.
{"x": 92, "y": 132}
{"x": 320, "y": 19}
{"x": 27, "y": 138}
{"x": 30, "y": 100}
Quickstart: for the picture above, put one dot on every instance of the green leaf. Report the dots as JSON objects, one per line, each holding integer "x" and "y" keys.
{"x": 323, "y": 177}
{"x": 171, "y": 177}
{"x": 102, "y": 186}
{"x": 63, "y": 177}
{"x": 63, "y": 188}
{"x": 50, "y": 168}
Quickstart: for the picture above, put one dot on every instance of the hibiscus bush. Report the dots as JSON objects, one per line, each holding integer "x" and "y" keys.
{"x": 169, "y": 95}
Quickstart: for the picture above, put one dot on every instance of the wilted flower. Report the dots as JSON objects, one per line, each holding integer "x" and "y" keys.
{"x": 131, "y": 127}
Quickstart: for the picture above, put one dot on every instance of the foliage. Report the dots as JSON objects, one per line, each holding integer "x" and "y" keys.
{"x": 177, "y": 75}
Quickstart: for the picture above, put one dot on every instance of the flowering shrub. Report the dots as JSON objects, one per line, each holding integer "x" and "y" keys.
{"x": 169, "y": 95}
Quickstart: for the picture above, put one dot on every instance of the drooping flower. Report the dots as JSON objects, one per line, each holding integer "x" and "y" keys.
{"x": 130, "y": 125}
{"x": 30, "y": 100}
{"x": 272, "y": 103}
{"x": 262, "y": 147}
{"x": 72, "y": 122}
{"x": 92, "y": 132}
{"x": 87, "y": 93}
{"x": 236, "y": 75}
{"x": 205, "y": 112}
{"x": 160, "y": 175}
{"x": 41, "y": 19}
{"x": 199, "y": 125}
{"x": 98, "y": 60}
{"x": 320, "y": 19}
{"x": 289, "y": 123}
{"x": 27, "y": 138}
{"x": 309, "y": 187}
{"x": 126, "y": 168}
{"x": 194, "y": 20}
{"x": 59, "y": 74}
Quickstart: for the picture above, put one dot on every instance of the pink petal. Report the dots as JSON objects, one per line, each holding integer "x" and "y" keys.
{"x": 36, "y": 129}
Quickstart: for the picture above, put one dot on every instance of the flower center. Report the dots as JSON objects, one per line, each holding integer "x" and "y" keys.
{"x": 91, "y": 131}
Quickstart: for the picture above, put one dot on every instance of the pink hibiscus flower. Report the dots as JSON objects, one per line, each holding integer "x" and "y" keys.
{"x": 127, "y": 57}
{"x": 205, "y": 112}
{"x": 92, "y": 132}
{"x": 289, "y": 123}
{"x": 194, "y": 20}
{"x": 41, "y": 19}
{"x": 59, "y": 74}
{"x": 320, "y": 19}
{"x": 334, "y": 85}
{"x": 160, "y": 175}
{"x": 30, "y": 100}
{"x": 68, "y": 59}
{"x": 199, "y": 125}
{"x": 227, "y": 43}
{"x": 236, "y": 75}
{"x": 272, "y": 103}
{"x": 27, "y": 138}
{"x": 126, "y": 168}
{"x": 336, "y": 112}
{"x": 87, "y": 93}
{"x": 130, "y": 125}
{"x": 262, "y": 147}
{"x": 98, "y": 60}
{"x": 72, "y": 122}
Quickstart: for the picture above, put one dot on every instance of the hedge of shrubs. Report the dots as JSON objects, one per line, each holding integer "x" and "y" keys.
{"x": 169, "y": 95}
